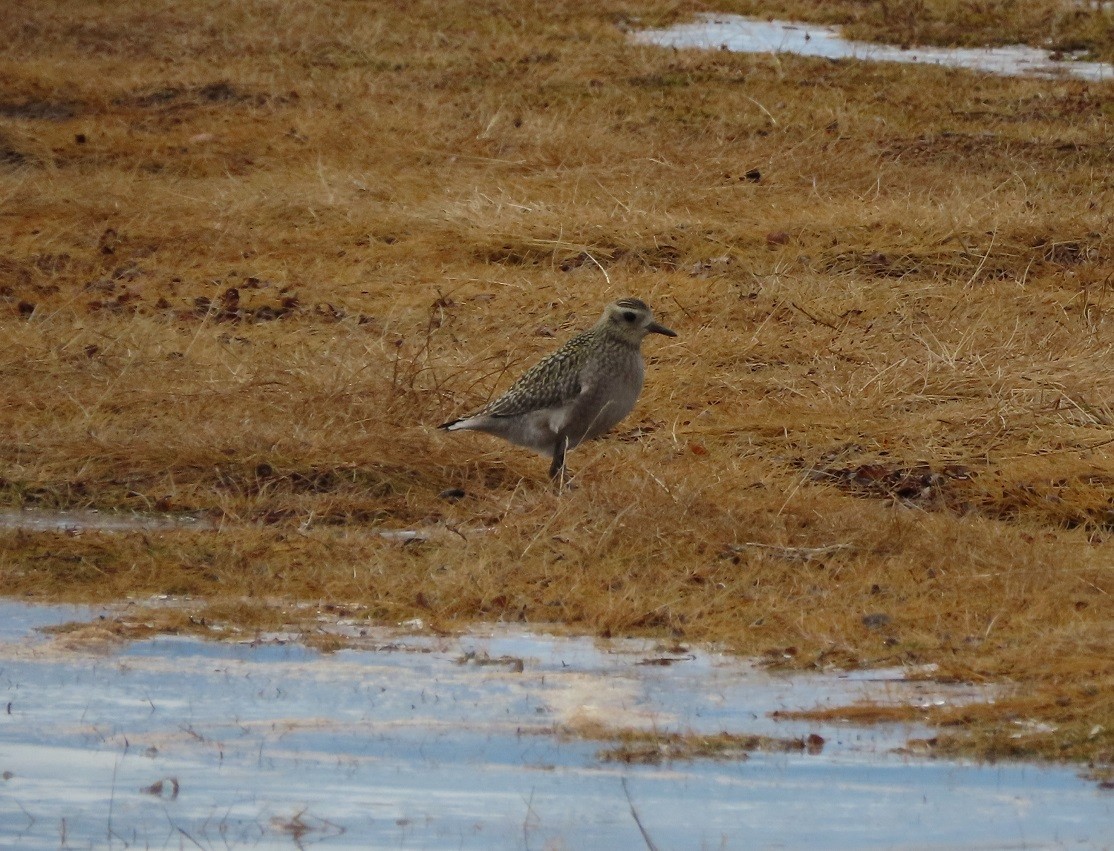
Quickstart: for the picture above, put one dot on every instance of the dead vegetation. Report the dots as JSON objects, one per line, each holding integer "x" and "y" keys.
{"x": 253, "y": 255}
{"x": 652, "y": 747}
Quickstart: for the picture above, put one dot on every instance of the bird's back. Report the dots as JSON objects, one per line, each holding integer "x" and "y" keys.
{"x": 550, "y": 383}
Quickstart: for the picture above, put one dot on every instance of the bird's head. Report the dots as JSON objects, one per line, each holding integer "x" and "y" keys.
{"x": 630, "y": 319}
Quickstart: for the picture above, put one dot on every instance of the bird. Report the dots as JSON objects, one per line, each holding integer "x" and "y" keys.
{"x": 579, "y": 392}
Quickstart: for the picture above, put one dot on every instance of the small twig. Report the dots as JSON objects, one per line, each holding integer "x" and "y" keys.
{"x": 112, "y": 800}
{"x": 683, "y": 308}
{"x": 792, "y": 493}
{"x": 815, "y": 319}
{"x": 663, "y": 486}
{"x": 1093, "y": 585}
{"x": 526, "y": 821}
{"x": 982, "y": 262}
{"x": 545, "y": 527}
{"x": 990, "y": 626}
{"x": 794, "y": 553}
{"x": 1040, "y": 453}
{"x": 1087, "y": 409}
{"x": 190, "y": 838}
{"x": 634, "y": 813}
{"x": 606, "y": 277}
{"x": 769, "y": 114}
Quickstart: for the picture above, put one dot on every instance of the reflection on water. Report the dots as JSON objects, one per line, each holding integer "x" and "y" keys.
{"x": 749, "y": 35}
{"x": 91, "y": 520}
{"x": 432, "y": 742}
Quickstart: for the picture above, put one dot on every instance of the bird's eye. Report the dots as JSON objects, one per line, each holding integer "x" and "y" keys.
{"x": 630, "y": 317}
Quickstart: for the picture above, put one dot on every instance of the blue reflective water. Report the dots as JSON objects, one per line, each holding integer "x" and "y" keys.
{"x": 752, "y": 35}
{"x": 400, "y": 745}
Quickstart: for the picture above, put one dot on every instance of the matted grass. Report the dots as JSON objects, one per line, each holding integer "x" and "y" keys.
{"x": 253, "y": 255}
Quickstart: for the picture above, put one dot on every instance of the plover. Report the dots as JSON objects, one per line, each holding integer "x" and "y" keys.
{"x": 579, "y": 392}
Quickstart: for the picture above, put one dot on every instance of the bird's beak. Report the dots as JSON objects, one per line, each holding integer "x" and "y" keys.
{"x": 655, "y": 328}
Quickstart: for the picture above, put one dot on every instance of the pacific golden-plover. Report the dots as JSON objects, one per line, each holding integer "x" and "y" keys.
{"x": 579, "y": 392}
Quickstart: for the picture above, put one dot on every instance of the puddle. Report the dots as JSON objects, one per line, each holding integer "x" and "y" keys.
{"x": 91, "y": 520}
{"x": 750, "y": 35}
{"x": 412, "y": 741}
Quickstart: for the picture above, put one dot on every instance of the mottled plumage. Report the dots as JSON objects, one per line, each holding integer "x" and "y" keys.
{"x": 579, "y": 392}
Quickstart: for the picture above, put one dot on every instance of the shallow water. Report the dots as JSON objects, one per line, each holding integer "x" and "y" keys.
{"x": 751, "y": 35}
{"x": 78, "y": 520}
{"x": 91, "y": 520}
{"x": 414, "y": 741}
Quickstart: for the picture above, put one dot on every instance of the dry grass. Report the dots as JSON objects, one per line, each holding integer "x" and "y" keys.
{"x": 252, "y": 255}
{"x": 651, "y": 747}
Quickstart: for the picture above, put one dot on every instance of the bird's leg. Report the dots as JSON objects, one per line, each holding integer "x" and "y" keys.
{"x": 557, "y": 468}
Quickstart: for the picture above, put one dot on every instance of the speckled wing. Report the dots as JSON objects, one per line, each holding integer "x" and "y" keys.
{"x": 550, "y": 383}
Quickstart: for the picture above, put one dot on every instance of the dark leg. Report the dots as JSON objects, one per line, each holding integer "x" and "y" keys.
{"x": 557, "y": 468}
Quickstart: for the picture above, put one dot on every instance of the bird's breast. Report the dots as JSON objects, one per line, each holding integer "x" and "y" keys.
{"x": 613, "y": 391}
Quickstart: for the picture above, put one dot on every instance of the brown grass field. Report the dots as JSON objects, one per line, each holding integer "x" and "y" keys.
{"x": 253, "y": 252}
